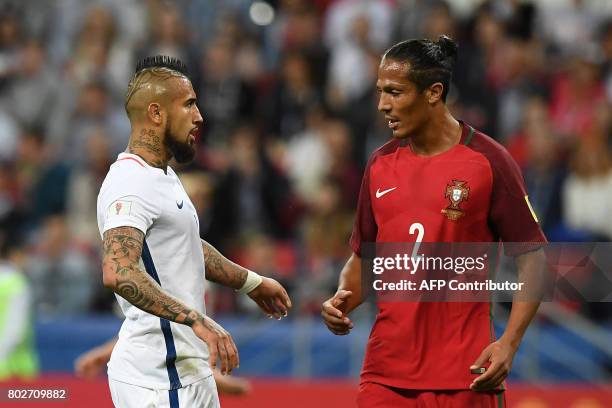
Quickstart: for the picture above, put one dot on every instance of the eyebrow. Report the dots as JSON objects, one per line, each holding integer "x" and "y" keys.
{"x": 386, "y": 87}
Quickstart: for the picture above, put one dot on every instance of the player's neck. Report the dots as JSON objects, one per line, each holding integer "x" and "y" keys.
{"x": 147, "y": 143}
{"x": 438, "y": 135}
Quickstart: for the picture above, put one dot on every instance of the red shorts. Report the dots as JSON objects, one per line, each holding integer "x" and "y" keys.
{"x": 372, "y": 395}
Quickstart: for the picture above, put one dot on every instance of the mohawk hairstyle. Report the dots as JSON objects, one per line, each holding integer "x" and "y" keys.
{"x": 160, "y": 67}
{"x": 162, "y": 61}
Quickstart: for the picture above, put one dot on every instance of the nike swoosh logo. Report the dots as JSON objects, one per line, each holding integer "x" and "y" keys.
{"x": 179, "y": 205}
{"x": 382, "y": 193}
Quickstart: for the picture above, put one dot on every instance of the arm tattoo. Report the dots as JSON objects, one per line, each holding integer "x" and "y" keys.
{"x": 122, "y": 250}
{"x": 221, "y": 270}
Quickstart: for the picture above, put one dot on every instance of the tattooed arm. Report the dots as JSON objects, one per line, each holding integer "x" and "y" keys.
{"x": 221, "y": 270}
{"x": 269, "y": 294}
{"x": 122, "y": 274}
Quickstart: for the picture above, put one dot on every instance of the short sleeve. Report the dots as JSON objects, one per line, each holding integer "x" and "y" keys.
{"x": 364, "y": 227}
{"x": 129, "y": 211}
{"x": 128, "y": 199}
{"x": 511, "y": 216}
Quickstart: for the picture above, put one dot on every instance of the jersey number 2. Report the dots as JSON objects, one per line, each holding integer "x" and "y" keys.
{"x": 420, "y": 230}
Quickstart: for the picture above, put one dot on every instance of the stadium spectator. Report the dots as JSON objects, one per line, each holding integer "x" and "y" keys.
{"x": 62, "y": 272}
{"x": 305, "y": 174}
{"x": 224, "y": 96}
{"x": 252, "y": 196}
{"x": 536, "y": 149}
{"x": 18, "y": 357}
{"x": 33, "y": 89}
{"x": 574, "y": 93}
{"x": 71, "y": 129}
{"x": 291, "y": 97}
{"x": 9, "y": 136}
{"x": 587, "y": 191}
{"x": 349, "y": 67}
{"x": 169, "y": 34}
{"x": 83, "y": 186}
{"x": 606, "y": 48}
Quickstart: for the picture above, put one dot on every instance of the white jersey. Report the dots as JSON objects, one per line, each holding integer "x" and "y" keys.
{"x": 153, "y": 352}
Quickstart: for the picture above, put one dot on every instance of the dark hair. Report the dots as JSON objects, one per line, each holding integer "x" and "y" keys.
{"x": 162, "y": 61}
{"x": 430, "y": 61}
{"x": 172, "y": 67}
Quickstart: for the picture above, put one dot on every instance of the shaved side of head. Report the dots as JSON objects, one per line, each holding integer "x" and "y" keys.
{"x": 153, "y": 82}
{"x": 148, "y": 86}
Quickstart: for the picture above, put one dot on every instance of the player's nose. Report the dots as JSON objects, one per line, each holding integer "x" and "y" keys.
{"x": 383, "y": 103}
{"x": 198, "y": 119}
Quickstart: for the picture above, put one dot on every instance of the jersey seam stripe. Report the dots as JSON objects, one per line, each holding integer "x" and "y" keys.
{"x": 387, "y": 149}
{"x": 497, "y": 175}
{"x": 468, "y": 139}
{"x": 492, "y": 272}
{"x": 173, "y": 398}
{"x": 494, "y": 179}
{"x": 131, "y": 158}
{"x": 175, "y": 382}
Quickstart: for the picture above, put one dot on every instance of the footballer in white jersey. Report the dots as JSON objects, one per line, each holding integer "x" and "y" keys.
{"x": 155, "y": 261}
{"x": 137, "y": 195}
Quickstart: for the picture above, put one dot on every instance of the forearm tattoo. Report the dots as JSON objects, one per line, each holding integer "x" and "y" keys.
{"x": 122, "y": 250}
{"x": 221, "y": 270}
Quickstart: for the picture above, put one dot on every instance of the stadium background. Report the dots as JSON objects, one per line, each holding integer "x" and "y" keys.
{"x": 286, "y": 91}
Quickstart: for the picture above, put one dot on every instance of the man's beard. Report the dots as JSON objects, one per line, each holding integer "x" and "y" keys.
{"x": 182, "y": 152}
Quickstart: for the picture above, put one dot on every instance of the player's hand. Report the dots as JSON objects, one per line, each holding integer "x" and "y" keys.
{"x": 91, "y": 363}
{"x": 500, "y": 356}
{"x": 223, "y": 351}
{"x": 271, "y": 297}
{"x": 333, "y": 315}
{"x": 230, "y": 385}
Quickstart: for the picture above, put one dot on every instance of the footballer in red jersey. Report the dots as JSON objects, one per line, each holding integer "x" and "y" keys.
{"x": 446, "y": 182}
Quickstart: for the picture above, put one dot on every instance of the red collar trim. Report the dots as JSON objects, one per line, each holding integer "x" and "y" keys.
{"x": 131, "y": 158}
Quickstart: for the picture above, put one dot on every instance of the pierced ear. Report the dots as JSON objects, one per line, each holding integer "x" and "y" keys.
{"x": 434, "y": 92}
{"x": 155, "y": 113}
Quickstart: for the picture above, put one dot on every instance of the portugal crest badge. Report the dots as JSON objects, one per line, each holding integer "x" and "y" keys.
{"x": 457, "y": 191}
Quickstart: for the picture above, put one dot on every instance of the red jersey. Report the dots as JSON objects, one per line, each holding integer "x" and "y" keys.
{"x": 432, "y": 345}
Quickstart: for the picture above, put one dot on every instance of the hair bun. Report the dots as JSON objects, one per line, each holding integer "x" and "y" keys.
{"x": 447, "y": 46}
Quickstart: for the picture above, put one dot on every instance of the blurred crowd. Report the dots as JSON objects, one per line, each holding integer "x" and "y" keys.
{"x": 290, "y": 118}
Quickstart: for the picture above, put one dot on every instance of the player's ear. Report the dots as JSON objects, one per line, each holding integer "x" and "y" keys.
{"x": 155, "y": 114}
{"x": 434, "y": 92}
